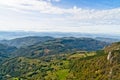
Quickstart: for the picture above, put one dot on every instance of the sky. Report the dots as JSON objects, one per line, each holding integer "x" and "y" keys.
{"x": 87, "y": 16}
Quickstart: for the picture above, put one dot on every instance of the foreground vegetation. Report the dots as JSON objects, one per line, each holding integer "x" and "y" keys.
{"x": 54, "y": 67}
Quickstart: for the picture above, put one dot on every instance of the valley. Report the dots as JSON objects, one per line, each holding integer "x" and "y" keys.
{"x": 66, "y": 58}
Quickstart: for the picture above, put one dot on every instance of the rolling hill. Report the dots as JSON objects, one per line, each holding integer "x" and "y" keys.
{"x": 5, "y": 51}
{"x": 25, "y": 41}
{"x": 76, "y": 66}
{"x": 61, "y": 59}
{"x": 60, "y": 45}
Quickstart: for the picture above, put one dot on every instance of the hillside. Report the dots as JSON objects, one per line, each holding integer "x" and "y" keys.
{"x": 25, "y": 41}
{"x": 60, "y": 45}
{"x": 54, "y": 67}
{"x": 103, "y": 66}
{"x": 5, "y": 51}
{"x": 99, "y": 65}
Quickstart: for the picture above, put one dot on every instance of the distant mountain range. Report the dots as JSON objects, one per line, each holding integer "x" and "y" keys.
{"x": 109, "y": 40}
{"x": 18, "y": 34}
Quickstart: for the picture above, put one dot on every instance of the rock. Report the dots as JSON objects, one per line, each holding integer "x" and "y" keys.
{"x": 109, "y": 56}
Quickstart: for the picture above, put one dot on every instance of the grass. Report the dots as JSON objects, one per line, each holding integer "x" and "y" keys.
{"x": 62, "y": 74}
{"x": 15, "y": 79}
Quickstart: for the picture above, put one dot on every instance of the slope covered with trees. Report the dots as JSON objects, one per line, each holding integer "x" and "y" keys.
{"x": 60, "y": 45}
{"x": 26, "y": 41}
{"x": 5, "y": 51}
{"x": 54, "y": 67}
{"x": 103, "y": 66}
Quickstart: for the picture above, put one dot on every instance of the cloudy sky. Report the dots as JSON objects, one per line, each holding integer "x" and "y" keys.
{"x": 89, "y": 16}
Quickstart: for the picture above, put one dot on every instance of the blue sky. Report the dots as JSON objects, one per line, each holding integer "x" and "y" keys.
{"x": 91, "y": 4}
{"x": 87, "y": 16}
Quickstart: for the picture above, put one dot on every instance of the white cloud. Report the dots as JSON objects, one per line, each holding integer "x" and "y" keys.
{"x": 54, "y": 0}
{"x": 74, "y": 16}
{"x": 44, "y": 6}
{"x": 37, "y": 5}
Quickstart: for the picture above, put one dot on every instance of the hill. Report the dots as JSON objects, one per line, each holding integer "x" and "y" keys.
{"x": 99, "y": 65}
{"x": 53, "y": 67}
{"x": 25, "y": 41}
{"x": 5, "y": 51}
{"x": 103, "y": 66}
{"x": 60, "y": 45}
